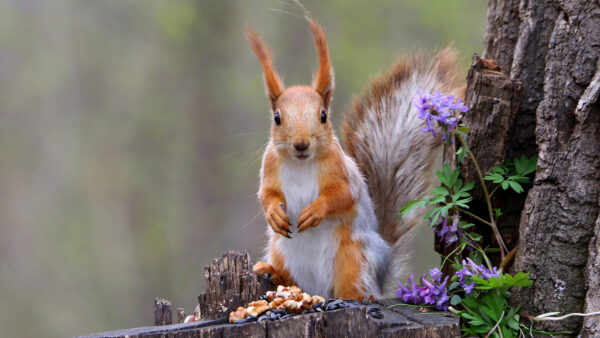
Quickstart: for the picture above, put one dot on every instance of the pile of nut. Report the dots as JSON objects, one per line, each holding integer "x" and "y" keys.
{"x": 284, "y": 302}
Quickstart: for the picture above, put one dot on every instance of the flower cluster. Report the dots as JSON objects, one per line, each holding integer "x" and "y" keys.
{"x": 448, "y": 233}
{"x": 432, "y": 292}
{"x": 440, "y": 108}
{"x": 471, "y": 269}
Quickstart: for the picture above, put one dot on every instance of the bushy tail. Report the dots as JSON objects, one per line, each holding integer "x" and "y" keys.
{"x": 383, "y": 134}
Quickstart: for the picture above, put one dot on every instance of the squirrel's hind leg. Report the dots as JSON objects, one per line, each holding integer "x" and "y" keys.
{"x": 349, "y": 262}
{"x": 276, "y": 268}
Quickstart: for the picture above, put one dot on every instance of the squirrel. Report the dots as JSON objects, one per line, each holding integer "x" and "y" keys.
{"x": 333, "y": 213}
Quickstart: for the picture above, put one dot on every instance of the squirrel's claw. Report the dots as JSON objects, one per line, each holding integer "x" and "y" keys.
{"x": 279, "y": 221}
{"x": 262, "y": 268}
{"x": 311, "y": 216}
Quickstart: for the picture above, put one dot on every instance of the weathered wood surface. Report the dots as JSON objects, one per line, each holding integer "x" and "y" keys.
{"x": 230, "y": 283}
{"x": 493, "y": 99}
{"x": 399, "y": 321}
{"x": 162, "y": 312}
{"x": 234, "y": 269}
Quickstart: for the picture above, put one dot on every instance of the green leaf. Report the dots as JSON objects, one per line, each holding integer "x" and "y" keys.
{"x": 454, "y": 177}
{"x": 440, "y": 190}
{"x": 463, "y": 129}
{"x": 518, "y": 178}
{"x": 497, "y": 282}
{"x": 441, "y": 177}
{"x": 455, "y": 300}
{"x": 468, "y": 316}
{"x": 470, "y": 302}
{"x": 515, "y": 186}
{"x": 493, "y": 177}
{"x": 497, "y": 213}
{"x": 476, "y": 237}
{"x": 480, "y": 281}
{"x": 493, "y": 315}
{"x": 438, "y": 199}
{"x": 436, "y": 216}
{"x": 504, "y": 185}
{"x": 467, "y": 187}
{"x": 410, "y": 206}
{"x": 461, "y": 154}
{"x": 500, "y": 170}
{"x": 464, "y": 225}
{"x": 524, "y": 165}
{"x": 520, "y": 279}
{"x": 462, "y": 202}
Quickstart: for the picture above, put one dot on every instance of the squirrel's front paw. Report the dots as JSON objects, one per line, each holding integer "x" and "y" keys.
{"x": 262, "y": 268}
{"x": 278, "y": 220}
{"x": 311, "y": 216}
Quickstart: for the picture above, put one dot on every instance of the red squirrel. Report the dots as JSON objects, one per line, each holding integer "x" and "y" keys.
{"x": 332, "y": 215}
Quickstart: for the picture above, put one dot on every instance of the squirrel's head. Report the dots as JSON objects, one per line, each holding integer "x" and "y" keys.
{"x": 300, "y": 124}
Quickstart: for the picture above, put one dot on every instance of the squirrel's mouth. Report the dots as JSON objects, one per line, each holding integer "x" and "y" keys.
{"x": 302, "y": 156}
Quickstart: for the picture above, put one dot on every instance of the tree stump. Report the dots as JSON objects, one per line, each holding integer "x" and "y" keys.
{"x": 162, "y": 312}
{"x": 230, "y": 283}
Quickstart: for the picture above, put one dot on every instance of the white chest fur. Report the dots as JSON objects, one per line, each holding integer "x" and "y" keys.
{"x": 310, "y": 255}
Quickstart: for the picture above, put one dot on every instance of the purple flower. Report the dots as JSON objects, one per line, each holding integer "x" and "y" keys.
{"x": 440, "y": 108}
{"x": 468, "y": 287}
{"x": 409, "y": 295}
{"x": 471, "y": 269}
{"x": 449, "y": 234}
{"x": 432, "y": 292}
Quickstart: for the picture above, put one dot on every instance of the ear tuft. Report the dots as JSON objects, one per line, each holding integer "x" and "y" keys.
{"x": 323, "y": 82}
{"x": 273, "y": 84}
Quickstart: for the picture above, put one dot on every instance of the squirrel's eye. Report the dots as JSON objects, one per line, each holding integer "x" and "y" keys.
{"x": 277, "y": 119}
{"x": 323, "y": 116}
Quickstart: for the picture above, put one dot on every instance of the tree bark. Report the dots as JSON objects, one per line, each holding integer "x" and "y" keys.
{"x": 551, "y": 48}
{"x": 493, "y": 99}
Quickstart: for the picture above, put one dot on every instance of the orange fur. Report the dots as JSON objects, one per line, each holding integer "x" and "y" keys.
{"x": 348, "y": 262}
{"x": 302, "y": 140}
{"x": 271, "y": 196}
{"x": 335, "y": 198}
{"x": 278, "y": 262}
{"x": 299, "y": 110}
{"x": 323, "y": 82}
{"x": 273, "y": 83}
{"x": 276, "y": 269}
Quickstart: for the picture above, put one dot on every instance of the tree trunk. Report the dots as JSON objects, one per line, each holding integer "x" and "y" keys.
{"x": 552, "y": 49}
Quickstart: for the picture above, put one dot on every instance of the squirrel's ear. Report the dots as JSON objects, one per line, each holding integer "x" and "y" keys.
{"x": 323, "y": 81}
{"x": 273, "y": 84}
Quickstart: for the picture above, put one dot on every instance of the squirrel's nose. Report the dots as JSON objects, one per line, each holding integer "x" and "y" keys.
{"x": 301, "y": 146}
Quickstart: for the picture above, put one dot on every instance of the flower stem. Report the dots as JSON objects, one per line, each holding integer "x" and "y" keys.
{"x": 446, "y": 258}
{"x": 492, "y": 223}
{"x": 496, "y": 327}
{"x": 472, "y": 215}
{"x": 493, "y": 191}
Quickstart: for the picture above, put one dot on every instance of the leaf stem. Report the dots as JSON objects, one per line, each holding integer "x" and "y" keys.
{"x": 492, "y": 223}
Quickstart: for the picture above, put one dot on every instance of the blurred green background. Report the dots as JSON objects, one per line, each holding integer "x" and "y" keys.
{"x": 131, "y": 134}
